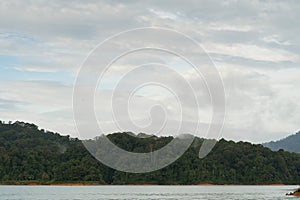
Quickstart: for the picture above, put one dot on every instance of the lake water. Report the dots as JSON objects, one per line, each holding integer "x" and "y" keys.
{"x": 144, "y": 192}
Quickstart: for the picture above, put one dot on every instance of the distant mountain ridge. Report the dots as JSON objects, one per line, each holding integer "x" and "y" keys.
{"x": 290, "y": 143}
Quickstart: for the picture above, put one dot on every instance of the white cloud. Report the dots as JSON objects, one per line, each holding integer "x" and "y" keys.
{"x": 164, "y": 15}
{"x": 256, "y": 45}
{"x": 252, "y": 52}
{"x": 35, "y": 69}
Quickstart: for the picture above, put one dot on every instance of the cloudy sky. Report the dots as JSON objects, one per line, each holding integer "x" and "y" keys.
{"x": 254, "y": 45}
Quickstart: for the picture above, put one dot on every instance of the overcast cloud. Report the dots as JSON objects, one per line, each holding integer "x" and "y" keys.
{"x": 255, "y": 45}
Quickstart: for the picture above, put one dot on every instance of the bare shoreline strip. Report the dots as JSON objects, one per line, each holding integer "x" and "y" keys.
{"x": 91, "y": 184}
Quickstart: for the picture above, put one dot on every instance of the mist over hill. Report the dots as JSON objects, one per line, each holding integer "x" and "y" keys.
{"x": 290, "y": 143}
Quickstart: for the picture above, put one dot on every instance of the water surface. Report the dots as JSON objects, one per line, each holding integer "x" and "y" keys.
{"x": 144, "y": 192}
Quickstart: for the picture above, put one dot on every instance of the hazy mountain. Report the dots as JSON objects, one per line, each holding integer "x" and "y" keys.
{"x": 290, "y": 143}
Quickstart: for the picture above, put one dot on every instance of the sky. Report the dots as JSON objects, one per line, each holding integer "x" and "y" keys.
{"x": 254, "y": 45}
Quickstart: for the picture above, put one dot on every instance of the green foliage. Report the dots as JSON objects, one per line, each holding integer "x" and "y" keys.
{"x": 30, "y": 155}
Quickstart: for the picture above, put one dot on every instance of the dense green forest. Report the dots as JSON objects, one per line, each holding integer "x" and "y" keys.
{"x": 30, "y": 155}
{"x": 290, "y": 143}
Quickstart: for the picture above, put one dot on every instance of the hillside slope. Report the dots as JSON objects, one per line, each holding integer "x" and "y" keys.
{"x": 30, "y": 155}
{"x": 290, "y": 143}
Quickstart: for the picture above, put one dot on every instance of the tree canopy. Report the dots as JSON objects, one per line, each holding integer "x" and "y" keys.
{"x": 28, "y": 154}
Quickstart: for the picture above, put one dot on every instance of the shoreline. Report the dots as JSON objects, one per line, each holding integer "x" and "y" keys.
{"x": 97, "y": 184}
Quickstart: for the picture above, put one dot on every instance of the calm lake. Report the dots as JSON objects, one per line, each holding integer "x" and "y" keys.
{"x": 144, "y": 192}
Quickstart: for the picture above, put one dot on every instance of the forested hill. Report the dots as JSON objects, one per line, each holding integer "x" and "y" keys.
{"x": 30, "y": 155}
{"x": 290, "y": 143}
